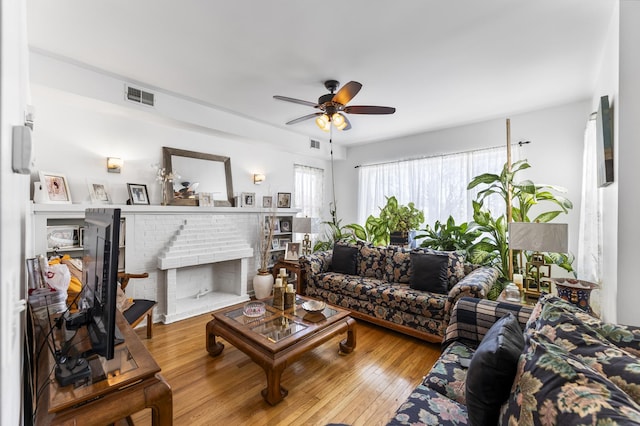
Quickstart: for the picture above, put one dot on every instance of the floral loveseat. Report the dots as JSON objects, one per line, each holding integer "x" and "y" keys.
{"x": 389, "y": 286}
{"x": 573, "y": 369}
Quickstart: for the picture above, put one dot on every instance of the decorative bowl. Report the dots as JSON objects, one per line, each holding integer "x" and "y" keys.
{"x": 254, "y": 309}
{"x": 313, "y": 305}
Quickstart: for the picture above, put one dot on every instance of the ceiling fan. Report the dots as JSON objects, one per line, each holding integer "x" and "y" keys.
{"x": 333, "y": 106}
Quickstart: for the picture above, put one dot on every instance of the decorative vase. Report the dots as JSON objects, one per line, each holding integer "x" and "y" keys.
{"x": 262, "y": 284}
{"x": 163, "y": 188}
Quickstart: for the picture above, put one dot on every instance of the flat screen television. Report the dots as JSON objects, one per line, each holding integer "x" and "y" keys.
{"x": 100, "y": 278}
{"x": 604, "y": 138}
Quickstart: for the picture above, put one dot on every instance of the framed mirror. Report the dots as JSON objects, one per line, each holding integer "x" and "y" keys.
{"x": 199, "y": 173}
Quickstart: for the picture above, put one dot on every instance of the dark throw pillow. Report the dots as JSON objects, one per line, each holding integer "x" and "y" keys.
{"x": 344, "y": 258}
{"x": 429, "y": 272}
{"x": 492, "y": 370}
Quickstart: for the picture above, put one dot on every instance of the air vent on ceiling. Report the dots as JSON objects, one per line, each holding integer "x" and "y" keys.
{"x": 315, "y": 144}
{"x": 140, "y": 96}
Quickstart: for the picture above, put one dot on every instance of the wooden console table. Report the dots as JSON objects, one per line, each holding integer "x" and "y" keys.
{"x": 135, "y": 386}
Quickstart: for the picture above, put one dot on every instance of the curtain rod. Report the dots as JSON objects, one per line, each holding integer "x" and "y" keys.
{"x": 521, "y": 143}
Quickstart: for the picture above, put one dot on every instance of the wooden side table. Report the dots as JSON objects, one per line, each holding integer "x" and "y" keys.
{"x": 524, "y": 299}
{"x": 137, "y": 386}
{"x": 295, "y": 268}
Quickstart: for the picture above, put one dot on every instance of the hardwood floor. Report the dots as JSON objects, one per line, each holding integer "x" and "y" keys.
{"x": 362, "y": 388}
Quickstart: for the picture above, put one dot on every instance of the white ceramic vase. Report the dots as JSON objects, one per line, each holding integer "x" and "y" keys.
{"x": 262, "y": 285}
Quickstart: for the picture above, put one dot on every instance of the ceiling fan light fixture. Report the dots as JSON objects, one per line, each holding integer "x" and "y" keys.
{"x": 323, "y": 122}
{"x": 338, "y": 120}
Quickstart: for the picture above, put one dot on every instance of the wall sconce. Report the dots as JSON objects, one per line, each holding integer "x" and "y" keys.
{"x": 258, "y": 178}
{"x": 114, "y": 164}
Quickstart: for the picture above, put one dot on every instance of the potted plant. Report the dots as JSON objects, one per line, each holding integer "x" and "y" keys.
{"x": 400, "y": 219}
{"x": 393, "y": 226}
{"x": 448, "y": 236}
{"x": 263, "y": 280}
{"x": 493, "y": 248}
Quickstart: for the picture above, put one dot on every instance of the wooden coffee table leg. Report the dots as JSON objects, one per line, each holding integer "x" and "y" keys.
{"x": 274, "y": 393}
{"x": 214, "y": 348}
{"x": 349, "y": 344}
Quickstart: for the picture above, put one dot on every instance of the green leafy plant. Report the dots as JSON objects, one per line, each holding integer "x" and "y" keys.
{"x": 449, "y": 236}
{"x": 394, "y": 217}
{"x": 493, "y": 248}
{"x": 524, "y": 194}
{"x": 374, "y": 231}
{"x": 400, "y": 218}
{"x": 334, "y": 232}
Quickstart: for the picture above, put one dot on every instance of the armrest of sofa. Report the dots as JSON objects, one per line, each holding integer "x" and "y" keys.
{"x": 476, "y": 284}
{"x": 317, "y": 263}
{"x": 471, "y": 318}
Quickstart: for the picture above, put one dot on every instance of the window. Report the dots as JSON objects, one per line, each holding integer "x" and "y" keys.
{"x": 436, "y": 185}
{"x": 308, "y": 190}
{"x": 590, "y": 237}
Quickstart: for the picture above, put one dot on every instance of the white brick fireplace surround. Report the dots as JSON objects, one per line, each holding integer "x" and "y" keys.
{"x": 205, "y": 266}
{"x": 210, "y": 264}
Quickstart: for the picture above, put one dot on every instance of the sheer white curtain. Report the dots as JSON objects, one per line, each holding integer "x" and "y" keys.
{"x": 308, "y": 190}
{"x": 437, "y": 185}
{"x": 589, "y": 260}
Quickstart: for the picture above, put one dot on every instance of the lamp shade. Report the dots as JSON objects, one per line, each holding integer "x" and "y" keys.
{"x": 302, "y": 225}
{"x": 548, "y": 237}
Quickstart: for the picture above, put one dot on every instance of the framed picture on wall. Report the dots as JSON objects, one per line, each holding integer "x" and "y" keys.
{"x": 55, "y": 188}
{"x": 284, "y": 200}
{"x": 267, "y": 201}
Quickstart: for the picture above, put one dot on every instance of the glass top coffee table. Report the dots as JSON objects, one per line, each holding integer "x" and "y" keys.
{"x": 278, "y": 338}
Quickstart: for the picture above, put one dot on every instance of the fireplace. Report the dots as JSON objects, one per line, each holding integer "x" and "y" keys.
{"x": 205, "y": 267}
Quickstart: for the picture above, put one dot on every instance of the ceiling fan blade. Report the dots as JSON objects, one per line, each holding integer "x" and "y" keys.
{"x": 367, "y": 109}
{"x": 296, "y": 101}
{"x": 303, "y": 118}
{"x": 346, "y": 120}
{"x": 347, "y": 92}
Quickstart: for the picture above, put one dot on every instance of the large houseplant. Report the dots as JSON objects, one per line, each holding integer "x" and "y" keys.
{"x": 493, "y": 247}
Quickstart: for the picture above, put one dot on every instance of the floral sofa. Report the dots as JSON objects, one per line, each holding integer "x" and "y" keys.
{"x": 572, "y": 369}
{"x": 389, "y": 286}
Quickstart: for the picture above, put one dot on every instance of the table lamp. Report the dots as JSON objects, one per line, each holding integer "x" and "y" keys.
{"x": 538, "y": 237}
{"x": 302, "y": 225}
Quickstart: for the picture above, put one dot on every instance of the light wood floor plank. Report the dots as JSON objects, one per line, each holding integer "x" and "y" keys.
{"x": 362, "y": 388}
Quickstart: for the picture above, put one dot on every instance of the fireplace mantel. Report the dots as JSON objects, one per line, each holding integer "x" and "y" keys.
{"x": 147, "y": 233}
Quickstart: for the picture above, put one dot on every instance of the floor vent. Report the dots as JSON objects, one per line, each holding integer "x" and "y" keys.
{"x": 315, "y": 144}
{"x": 140, "y": 96}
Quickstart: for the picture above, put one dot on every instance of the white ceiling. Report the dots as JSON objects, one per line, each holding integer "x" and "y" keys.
{"x": 440, "y": 63}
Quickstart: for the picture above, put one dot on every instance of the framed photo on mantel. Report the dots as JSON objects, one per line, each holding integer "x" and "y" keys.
{"x": 54, "y": 188}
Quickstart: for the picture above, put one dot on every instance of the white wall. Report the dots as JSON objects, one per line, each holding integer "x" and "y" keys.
{"x": 555, "y": 153}
{"x": 628, "y": 170}
{"x": 607, "y": 84}
{"x": 14, "y": 189}
{"x": 82, "y": 119}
